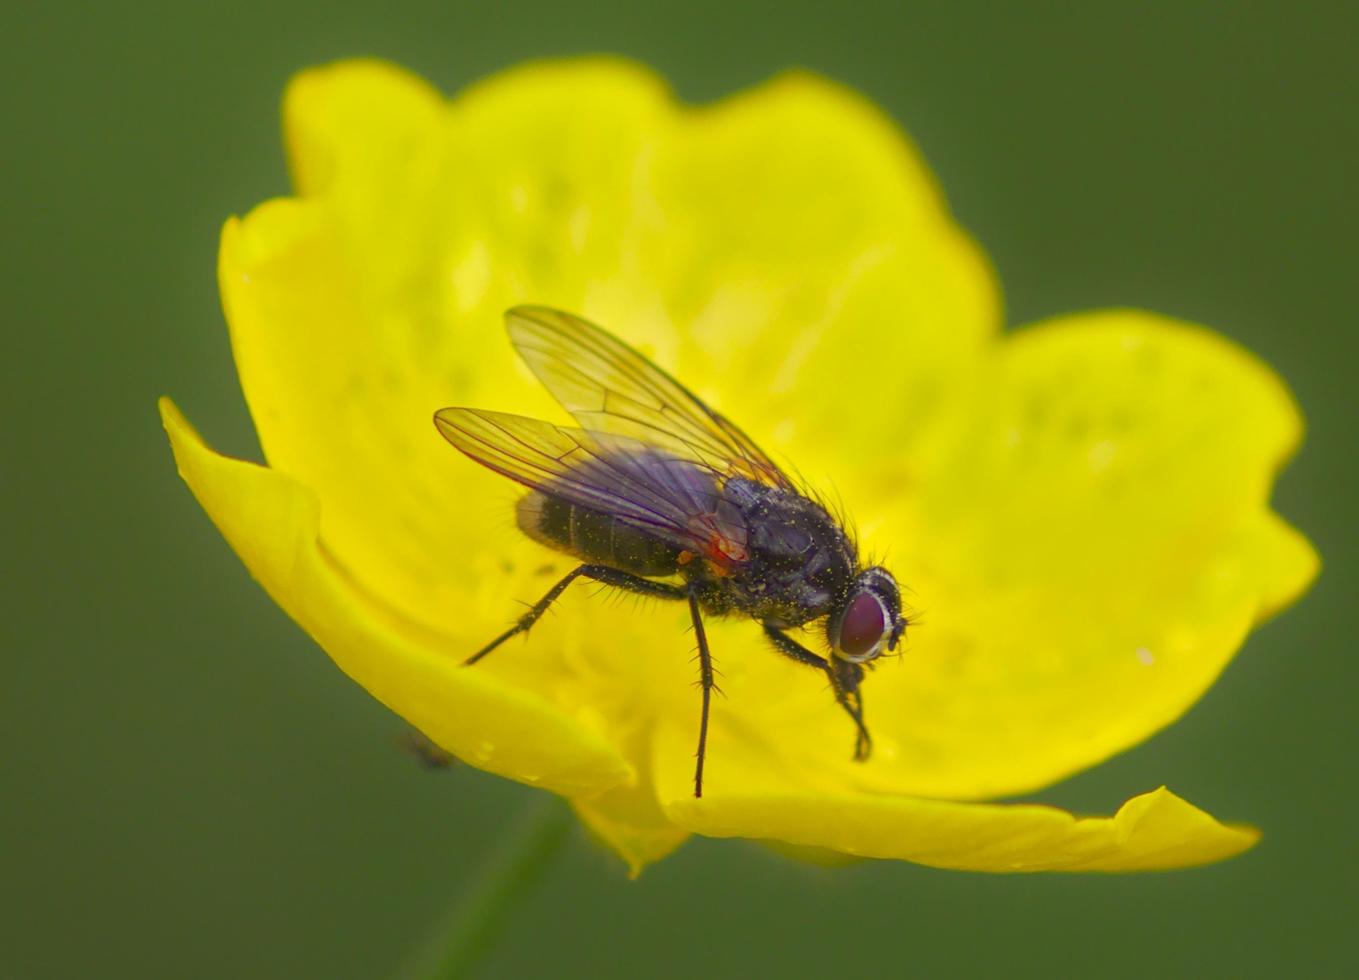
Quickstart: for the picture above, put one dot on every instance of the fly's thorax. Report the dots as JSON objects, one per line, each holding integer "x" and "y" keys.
{"x": 799, "y": 558}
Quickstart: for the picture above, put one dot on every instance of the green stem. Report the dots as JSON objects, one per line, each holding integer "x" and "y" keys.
{"x": 506, "y": 879}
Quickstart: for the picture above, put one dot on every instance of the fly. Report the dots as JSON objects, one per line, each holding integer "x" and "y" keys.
{"x": 660, "y": 495}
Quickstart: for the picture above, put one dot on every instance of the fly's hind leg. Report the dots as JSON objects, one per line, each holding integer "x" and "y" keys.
{"x": 603, "y": 574}
{"x": 705, "y": 681}
{"x": 844, "y": 678}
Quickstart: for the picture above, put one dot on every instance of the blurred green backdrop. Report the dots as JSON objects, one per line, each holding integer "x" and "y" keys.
{"x": 190, "y": 788}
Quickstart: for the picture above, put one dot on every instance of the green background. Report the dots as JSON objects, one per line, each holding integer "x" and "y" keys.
{"x": 190, "y": 788}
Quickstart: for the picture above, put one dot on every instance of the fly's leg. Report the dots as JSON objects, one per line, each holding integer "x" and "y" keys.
{"x": 600, "y": 573}
{"x": 705, "y": 679}
{"x": 426, "y": 752}
{"x": 844, "y": 677}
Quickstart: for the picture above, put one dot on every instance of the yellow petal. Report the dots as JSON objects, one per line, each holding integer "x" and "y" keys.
{"x": 810, "y": 254}
{"x": 1155, "y": 831}
{"x": 358, "y": 123}
{"x": 1289, "y": 562}
{"x": 753, "y": 791}
{"x": 1088, "y": 542}
{"x": 629, "y": 820}
{"x": 338, "y": 406}
{"x": 271, "y": 522}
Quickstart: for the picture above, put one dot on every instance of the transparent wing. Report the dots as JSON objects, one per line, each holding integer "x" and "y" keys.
{"x": 676, "y": 499}
{"x": 611, "y": 388}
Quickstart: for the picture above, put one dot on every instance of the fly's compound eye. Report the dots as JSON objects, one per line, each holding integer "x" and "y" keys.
{"x": 862, "y": 629}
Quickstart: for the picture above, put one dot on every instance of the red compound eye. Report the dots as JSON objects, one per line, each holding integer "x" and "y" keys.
{"x": 862, "y": 627}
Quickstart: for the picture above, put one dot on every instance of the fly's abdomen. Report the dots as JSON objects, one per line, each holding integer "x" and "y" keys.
{"x": 594, "y": 537}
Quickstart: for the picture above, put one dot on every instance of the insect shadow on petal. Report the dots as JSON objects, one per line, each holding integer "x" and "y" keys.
{"x": 659, "y": 495}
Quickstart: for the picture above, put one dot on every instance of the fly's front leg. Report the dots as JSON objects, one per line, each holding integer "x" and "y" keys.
{"x": 844, "y": 677}
{"x": 600, "y": 573}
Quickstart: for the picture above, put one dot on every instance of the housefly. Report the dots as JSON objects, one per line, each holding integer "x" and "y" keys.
{"x": 658, "y": 494}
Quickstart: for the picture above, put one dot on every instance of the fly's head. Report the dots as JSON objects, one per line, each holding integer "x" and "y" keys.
{"x": 868, "y": 618}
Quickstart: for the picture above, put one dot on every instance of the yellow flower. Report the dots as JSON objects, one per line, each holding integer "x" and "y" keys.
{"x": 1079, "y": 508}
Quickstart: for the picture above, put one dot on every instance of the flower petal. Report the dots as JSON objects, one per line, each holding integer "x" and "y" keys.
{"x": 821, "y": 280}
{"x": 1089, "y": 540}
{"x": 358, "y": 123}
{"x": 630, "y": 821}
{"x": 271, "y": 522}
{"x": 339, "y": 406}
{"x": 751, "y": 792}
{"x": 1154, "y": 831}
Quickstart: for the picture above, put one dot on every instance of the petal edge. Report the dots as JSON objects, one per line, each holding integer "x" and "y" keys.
{"x": 1154, "y": 831}
{"x": 271, "y": 522}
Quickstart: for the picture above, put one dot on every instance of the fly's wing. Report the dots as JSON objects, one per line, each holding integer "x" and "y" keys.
{"x": 675, "y": 499}
{"x": 611, "y": 388}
